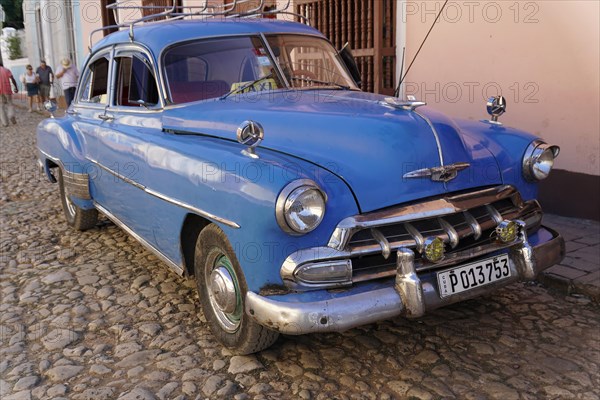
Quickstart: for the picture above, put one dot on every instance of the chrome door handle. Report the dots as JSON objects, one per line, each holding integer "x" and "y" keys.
{"x": 106, "y": 117}
{"x": 70, "y": 111}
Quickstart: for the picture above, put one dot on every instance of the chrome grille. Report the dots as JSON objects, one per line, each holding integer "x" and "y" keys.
{"x": 374, "y": 247}
{"x": 399, "y": 236}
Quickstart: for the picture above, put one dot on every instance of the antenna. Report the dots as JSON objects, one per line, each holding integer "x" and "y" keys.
{"x": 397, "y": 92}
{"x": 420, "y": 47}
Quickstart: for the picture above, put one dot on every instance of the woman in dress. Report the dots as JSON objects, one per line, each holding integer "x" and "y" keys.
{"x": 32, "y": 82}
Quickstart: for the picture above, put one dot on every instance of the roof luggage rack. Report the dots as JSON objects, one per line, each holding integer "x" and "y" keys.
{"x": 175, "y": 12}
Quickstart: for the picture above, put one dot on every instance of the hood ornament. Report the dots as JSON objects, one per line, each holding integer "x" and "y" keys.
{"x": 496, "y": 106}
{"x": 410, "y": 104}
{"x": 251, "y": 134}
{"x": 445, "y": 173}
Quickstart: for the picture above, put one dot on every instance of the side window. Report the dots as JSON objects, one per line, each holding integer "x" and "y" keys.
{"x": 136, "y": 85}
{"x": 95, "y": 86}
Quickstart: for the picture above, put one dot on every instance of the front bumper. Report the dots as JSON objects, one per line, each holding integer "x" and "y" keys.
{"x": 410, "y": 294}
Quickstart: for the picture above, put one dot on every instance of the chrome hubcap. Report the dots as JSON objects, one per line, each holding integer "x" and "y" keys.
{"x": 224, "y": 292}
{"x": 222, "y": 289}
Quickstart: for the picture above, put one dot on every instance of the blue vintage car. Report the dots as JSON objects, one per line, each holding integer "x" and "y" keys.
{"x": 244, "y": 155}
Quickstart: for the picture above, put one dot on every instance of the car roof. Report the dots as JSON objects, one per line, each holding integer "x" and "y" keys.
{"x": 157, "y": 35}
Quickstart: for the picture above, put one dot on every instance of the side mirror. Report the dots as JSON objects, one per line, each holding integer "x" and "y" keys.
{"x": 346, "y": 55}
{"x": 51, "y": 107}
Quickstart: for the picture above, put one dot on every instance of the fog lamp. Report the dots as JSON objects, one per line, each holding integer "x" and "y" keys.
{"x": 433, "y": 249}
{"x": 339, "y": 271}
{"x": 506, "y": 231}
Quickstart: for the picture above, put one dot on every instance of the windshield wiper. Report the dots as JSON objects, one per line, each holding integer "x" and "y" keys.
{"x": 247, "y": 85}
{"x": 321, "y": 82}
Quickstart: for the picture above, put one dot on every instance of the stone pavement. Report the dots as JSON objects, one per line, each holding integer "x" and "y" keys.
{"x": 579, "y": 272}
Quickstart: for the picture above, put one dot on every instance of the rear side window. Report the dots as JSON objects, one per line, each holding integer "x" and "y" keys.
{"x": 136, "y": 85}
{"x": 95, "y": 87}
{"x": 208, "y": 69}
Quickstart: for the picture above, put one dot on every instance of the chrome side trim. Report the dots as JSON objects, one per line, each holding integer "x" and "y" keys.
{"x": 51, "y": 178}
{"x": 168, "y": 199}
{"x": 77, "y": 184}
{"x": 177, "y": 268}
{"x": 435, "y": 134}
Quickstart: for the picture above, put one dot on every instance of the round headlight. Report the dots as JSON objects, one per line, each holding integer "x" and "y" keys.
{"x": 539, "y": 160}
{"x": 300, "y": 207}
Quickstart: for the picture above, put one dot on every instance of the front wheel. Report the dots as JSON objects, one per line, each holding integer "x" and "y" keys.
{"x": 222, "y": 289}
{"x": 77, "y": 217}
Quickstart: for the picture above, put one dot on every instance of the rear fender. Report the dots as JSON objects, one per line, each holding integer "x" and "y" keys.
{"x": 61, "y": 146}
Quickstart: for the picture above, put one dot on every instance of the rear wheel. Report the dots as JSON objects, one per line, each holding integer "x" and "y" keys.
{"x": 222, "y": 290}
{"x": 76, "y": 217}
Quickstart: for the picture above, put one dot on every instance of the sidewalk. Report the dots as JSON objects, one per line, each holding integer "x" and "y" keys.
{"x": 579, "y": 272}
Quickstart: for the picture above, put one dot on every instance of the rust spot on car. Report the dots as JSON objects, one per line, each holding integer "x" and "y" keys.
{"x": 273, "y": 290}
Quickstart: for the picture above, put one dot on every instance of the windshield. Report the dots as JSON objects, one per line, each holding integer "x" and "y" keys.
{"x": 308, "y": 61}
{"x": 219, "y": 67}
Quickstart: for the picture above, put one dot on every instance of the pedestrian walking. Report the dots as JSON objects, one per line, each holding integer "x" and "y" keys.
{"x": 68, "y": 75}
{"x": 32, "y": 83}
{"x": 7, "y": 111}
{"x": 46, "y": 76}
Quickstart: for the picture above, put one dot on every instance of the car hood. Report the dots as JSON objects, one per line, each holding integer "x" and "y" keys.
{"x": 370, "y": 145}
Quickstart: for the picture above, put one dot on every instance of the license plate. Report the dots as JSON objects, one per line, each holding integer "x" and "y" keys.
{"x": 473, "y": 275}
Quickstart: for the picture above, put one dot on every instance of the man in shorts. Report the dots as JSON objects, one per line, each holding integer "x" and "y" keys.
{"x": 46, "y": 80}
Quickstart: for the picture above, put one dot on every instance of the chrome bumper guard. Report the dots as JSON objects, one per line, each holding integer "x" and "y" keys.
{"x": 410, "y": 295}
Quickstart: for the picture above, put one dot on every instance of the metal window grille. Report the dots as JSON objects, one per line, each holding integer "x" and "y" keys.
{"x": 369, "y": 26}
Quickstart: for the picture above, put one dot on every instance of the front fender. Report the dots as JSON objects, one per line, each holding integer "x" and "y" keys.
{"x": 260, "y": 244}
{"x": 215, "y": 176}
{"x": 508, "y": 146}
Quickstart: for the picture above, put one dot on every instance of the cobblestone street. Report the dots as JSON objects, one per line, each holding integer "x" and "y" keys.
{"x": 93, "y": 315}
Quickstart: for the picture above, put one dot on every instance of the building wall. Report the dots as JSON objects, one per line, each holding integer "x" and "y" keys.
{"x": 543, "y": 56}
{"x": 50, "y": 32}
